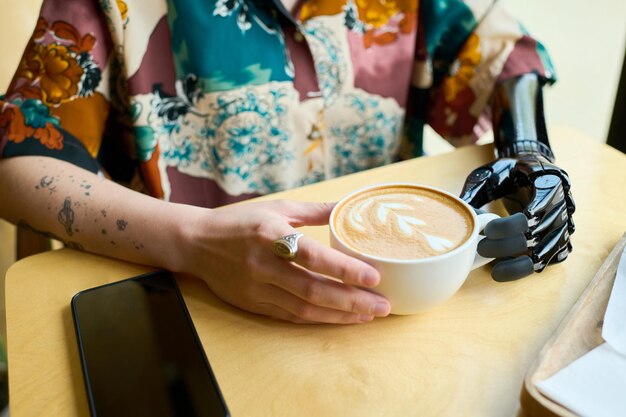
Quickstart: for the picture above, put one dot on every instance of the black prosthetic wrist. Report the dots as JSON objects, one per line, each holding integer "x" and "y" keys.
{"x": 519, "y": 124}
{"x": 526, "y": 147}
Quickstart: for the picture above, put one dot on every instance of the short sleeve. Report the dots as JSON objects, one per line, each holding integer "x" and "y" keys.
{"x": 58, "y": 102}
{"x": 464, "y": 49}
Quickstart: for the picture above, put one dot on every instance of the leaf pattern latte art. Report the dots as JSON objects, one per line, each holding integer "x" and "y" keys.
{"x": 399, "y": 211}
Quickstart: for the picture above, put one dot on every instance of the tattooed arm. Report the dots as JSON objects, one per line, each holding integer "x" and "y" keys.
{"x": 230, "y": 248}
{"x": 87, "y": 212}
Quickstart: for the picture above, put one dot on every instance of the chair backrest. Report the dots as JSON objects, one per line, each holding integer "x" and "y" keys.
{"x": 617, "y": 131}
{"x": 30, "y": 243}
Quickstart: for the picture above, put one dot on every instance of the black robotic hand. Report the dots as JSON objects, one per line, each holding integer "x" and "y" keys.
{"x": 537, "y": 194}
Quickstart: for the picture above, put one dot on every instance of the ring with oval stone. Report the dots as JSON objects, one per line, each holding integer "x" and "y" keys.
{"x": 287, "y": 246}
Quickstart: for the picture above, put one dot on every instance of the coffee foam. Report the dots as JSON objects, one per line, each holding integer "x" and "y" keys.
{"x": 403, "y": 222}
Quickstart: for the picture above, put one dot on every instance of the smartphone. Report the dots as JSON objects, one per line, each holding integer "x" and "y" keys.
{"x": 140, "y": 353}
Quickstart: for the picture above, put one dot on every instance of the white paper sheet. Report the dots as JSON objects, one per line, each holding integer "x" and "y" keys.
{"x": 595, "y": 384}
{"x": 614, "y": 327}
{"x": 592, "y": 386}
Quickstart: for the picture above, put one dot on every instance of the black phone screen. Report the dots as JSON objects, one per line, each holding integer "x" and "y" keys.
{"x": 140, "y": 352}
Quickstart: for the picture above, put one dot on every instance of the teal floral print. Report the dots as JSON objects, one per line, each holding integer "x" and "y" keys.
{"x": 208, "y": 102}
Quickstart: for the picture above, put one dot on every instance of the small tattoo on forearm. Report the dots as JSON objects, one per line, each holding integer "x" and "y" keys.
{"x": 137, "y": 245}
{"x": 45, "y": 183}
{"x": 74, "y": 245}
{"x": 84, "y": 184}
{"x": 121, "y": 224}
{"x": 66, "y": 216}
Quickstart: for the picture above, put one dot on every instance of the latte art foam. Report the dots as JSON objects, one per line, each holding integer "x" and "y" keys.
{"x": 403, "y": 222}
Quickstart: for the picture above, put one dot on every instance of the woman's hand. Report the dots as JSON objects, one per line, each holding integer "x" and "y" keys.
{"x": 230, "y": 248}
{"x": 232, "y": 253}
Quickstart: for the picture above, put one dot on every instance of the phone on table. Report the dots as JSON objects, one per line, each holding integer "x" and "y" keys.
{"x": 140, "y": 353}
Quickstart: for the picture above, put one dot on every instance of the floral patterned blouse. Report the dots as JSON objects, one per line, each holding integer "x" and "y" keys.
{"x": 212, "y": 101}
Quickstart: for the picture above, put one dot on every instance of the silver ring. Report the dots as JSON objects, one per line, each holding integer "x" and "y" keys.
{"x": 287, "y": 246}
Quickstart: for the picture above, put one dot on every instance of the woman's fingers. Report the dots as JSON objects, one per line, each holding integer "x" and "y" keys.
{"x": 286, "y": 306}
{"x": 307, "y": 284}
{"x": 319, "y": 258}
{"x": 309, "y": 214}
{"x": 320, "y": 291}
{"x": 271, "y": 310}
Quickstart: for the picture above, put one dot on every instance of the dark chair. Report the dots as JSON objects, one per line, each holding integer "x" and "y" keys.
{"x": 617, "y": 131}
{"x": 30, "y": 243}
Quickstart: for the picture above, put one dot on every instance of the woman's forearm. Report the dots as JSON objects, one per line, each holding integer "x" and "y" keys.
{"x": 229, "y": 248}
{"x": 90, "y": 213}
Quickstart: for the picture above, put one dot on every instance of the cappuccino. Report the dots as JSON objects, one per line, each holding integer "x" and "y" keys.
{"x": 403, "y": 222}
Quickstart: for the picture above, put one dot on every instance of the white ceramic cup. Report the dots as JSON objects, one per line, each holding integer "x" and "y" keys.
{"x": 416, "y": 285}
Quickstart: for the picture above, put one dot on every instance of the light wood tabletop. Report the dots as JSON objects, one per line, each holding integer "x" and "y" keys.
{"x": 466, "y": 357}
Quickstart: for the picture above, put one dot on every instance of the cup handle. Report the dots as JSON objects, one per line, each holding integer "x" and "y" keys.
{"x": 483, "y": 219}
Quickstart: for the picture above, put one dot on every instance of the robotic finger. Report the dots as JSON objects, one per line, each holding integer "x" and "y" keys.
{"x": 555, "y": 247}
{"x": 512, "y": 225}
{"x": 548, "y": 194}
{"x": 498, "y": 248}
{"x": 511, "y": 269}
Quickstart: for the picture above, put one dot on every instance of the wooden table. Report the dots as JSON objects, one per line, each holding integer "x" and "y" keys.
{"x": 465, "y": 358}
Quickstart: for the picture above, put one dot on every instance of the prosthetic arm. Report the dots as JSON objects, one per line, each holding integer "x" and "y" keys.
{"x": 534, "y": 190}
